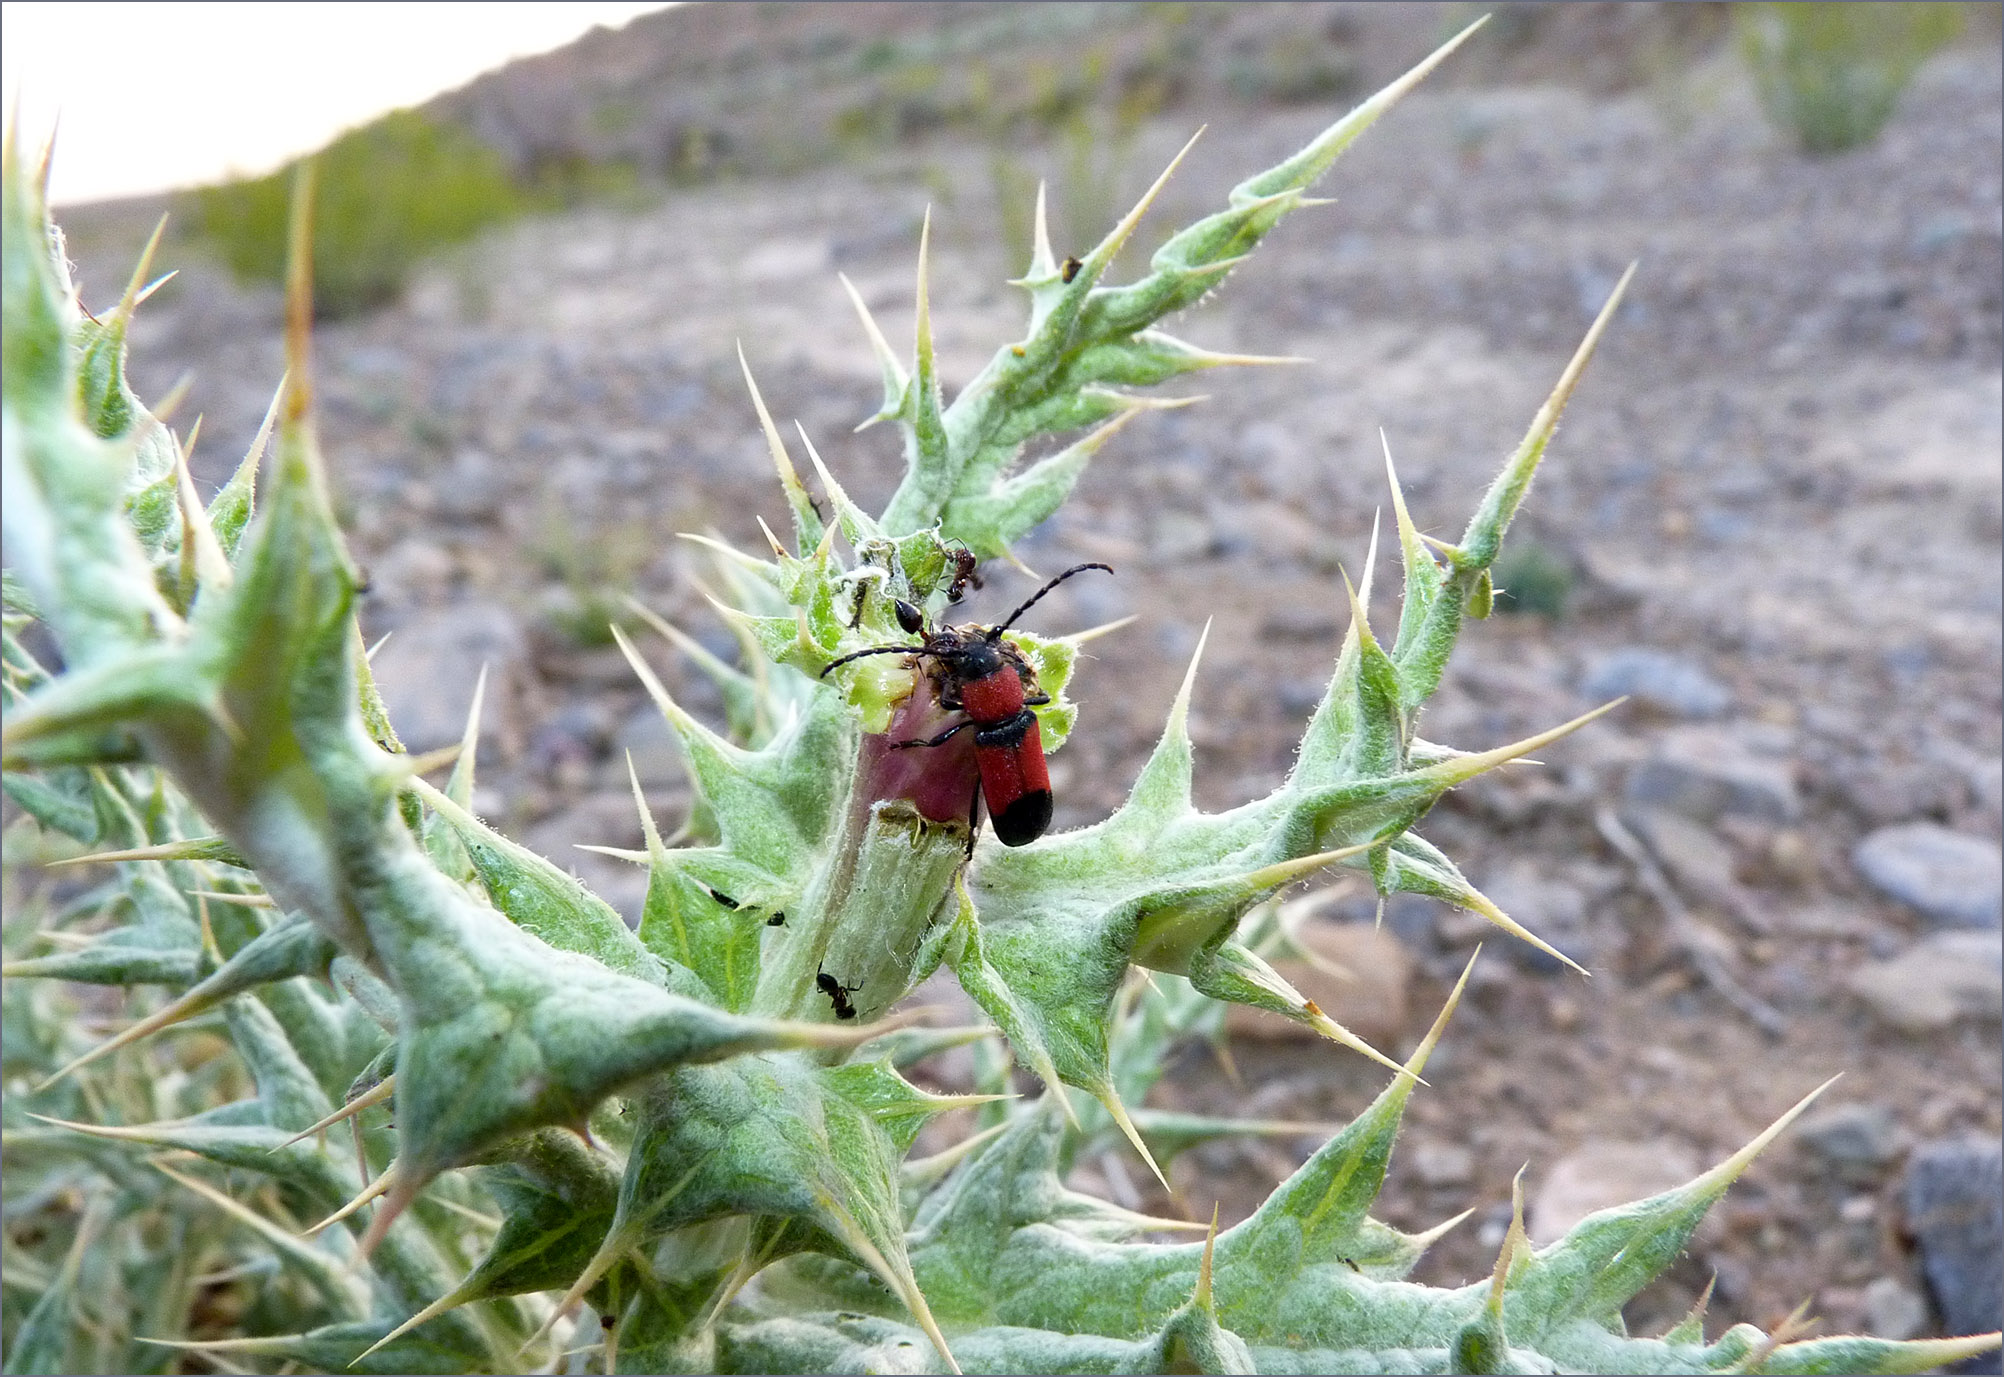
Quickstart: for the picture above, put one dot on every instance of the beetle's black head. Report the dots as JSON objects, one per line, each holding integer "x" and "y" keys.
{"x": 968, "y": 652}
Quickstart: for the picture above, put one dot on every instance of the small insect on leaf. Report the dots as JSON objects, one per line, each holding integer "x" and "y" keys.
{"x": 964, "y": 564}
{"x": 838, "y": 993}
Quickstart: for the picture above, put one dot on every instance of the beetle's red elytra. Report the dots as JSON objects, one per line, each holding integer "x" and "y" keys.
{"x": 976, "y": 672}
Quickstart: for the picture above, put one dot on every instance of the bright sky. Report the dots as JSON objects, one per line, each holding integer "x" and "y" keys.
{"x": 160, "y": 95}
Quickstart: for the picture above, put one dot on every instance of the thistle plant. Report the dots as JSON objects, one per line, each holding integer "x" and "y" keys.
{"x": 686, "y": 1146}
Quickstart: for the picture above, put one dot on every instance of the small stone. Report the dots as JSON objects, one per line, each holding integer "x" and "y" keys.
{"x": 1665, "y": 1061}
{"x": 1859, "y": 1209}
{"x": 1669, "y": 683}
{"x": 1986, "y": 780}
{"x": 428, "y": 670}
{"x": 1414, "y": 919}
{"x": 1938, "y": 980}
{"x": 1695, "y": 857}
{"x": 1176, "y": 537}
{"x": 599, "y": 669}
{"x": 1894, "y": 1310}
{"x": 573, "y": 735}
{"x": 1299, "y": 697}
{"x": 1287, "y": 463}
{"x": 1703, "y": 774}
{"x": 785, "y": 260}
{"x": 1273, "y": 532}
{"x": 1601, "y": 1174}
{"x": 1827, "y": 919}
{"x": 1883, "y": 792}
{"x": 1495, "y": 1228}
{"x": 1615, "y": 578}
{"x": 1955, "y": 1211}
{"x": 1859, "y": 1140}
{"x": 1372, "y": 1003}
{"x": 472, "y": 489}
{"x": 1790, "y": 858}
{"x": 1951, "y": 878}
{"x": 416, "y": 573}
{"x": 654, "y": 747}
{"x": 1443, "y": 1164}
{"x": 1297, "y": 622}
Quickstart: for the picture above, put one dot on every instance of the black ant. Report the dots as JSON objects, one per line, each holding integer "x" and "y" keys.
{"x": 908, "y": 615}
{"x": 776, "y": 919}
{"x": 838, "y": 993}
{"x": 964, "y": 563}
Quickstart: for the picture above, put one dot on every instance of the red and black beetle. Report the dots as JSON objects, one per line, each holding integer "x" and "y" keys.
{"x": 978, "y": 673}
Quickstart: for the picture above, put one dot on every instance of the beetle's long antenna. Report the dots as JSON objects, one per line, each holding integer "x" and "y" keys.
{"x": 876, "y": 650}
{"x": 995, "y": 634}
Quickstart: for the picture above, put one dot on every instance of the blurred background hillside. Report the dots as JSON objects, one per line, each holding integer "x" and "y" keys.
{"x": 1774, "y": 516}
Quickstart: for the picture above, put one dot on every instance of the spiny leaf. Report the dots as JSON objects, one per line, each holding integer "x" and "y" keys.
{"x": 541, "y": 899}
{"x": 45, "y": 798}
{"x": 1321, "y": 1210}
{"x": 341, "y": 1289}
{"x": 337, "y": 1348}
{"x": 688, "y": 924}
{"x": 293, "y": 947}
{"x": 41, "y": 1344}
{"x": 374, "y": 1095}
{"x": 256, "y": 1147}
{"x": 216, "y": 849}
{"x": 557, "y": 1199}
{"x": 1612, "y": 1254}
{"x": 770, "y": 1136}
{"x": 522, "y": 1035}
{"x": 806, "y": 518}
{"x": 896, "y": 380}
{"x": 231, "y": 508}
{"x": 766, "y": 819}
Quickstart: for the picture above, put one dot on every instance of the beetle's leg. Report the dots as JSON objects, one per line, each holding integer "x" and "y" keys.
{"x": 939, "y": 740}
{"x": 974, "y": 818}
{"x": 1038, "y": 701}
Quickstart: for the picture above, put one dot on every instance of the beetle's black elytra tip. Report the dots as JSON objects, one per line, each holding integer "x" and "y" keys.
{"x": 1025, "y": 819}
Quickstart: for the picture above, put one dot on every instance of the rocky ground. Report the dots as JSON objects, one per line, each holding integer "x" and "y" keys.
{"x": 1775, "y": 506}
